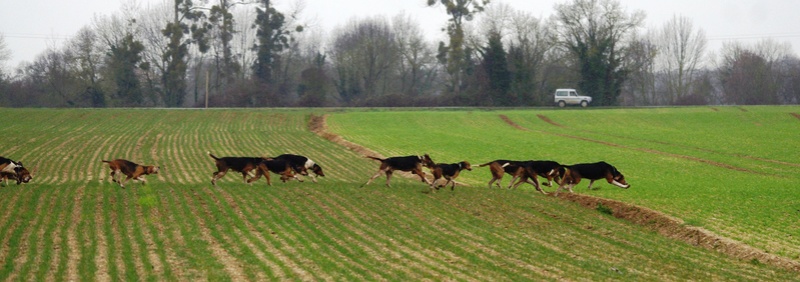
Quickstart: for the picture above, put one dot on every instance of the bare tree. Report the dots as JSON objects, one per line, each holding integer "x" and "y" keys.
{"x": 593, "y": 31}
{"x": 5, "y": 55}
{"x": 417, "y": 62}
{"x": 640, "y": 61}
{"x": 681, "y": 49}
{"x": 363, "y": 53}
{"x": 751, "y": 75}
{"x": 529, "y": 41}
{"x": 88, "y": 55}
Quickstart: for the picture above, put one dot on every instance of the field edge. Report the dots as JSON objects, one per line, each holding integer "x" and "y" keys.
{"x": 663, "y": 224}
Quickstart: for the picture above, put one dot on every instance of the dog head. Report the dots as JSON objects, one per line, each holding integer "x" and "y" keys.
{"x": 23, "y": 175}
{"x": 317, "y": 170}
{"x": 619, "y": 179}
{"x": 465, "y": 165}
{"x": 151, "y": 169}
{"x": 426, "y": 160}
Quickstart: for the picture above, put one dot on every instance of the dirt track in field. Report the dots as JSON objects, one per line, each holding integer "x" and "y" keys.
{"x": 659, "y": 222}
{"x": 664, "y": 224}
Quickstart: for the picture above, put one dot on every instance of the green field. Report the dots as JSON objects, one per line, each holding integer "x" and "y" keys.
{"x": 728, "y": 170}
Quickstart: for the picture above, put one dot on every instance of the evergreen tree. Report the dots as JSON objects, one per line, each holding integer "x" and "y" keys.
{"x": 174, "y": 75}
{"x": 273, "y": 37}
{"x": 122, "y": 60}
{"x": 495, "y": 64}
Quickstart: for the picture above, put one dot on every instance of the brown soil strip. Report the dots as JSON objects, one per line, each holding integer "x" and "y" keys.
{"x": 714, "y": 109}
{"x": 796, "y": 115}
{"x": 512, "y": 123}
{"x": 73, "y": 245}
{"x": 675, "y": 228}
{"x": 100, "y": 259}
{"x": 548, "y": 120}
{"x": 318, "y": 125}
{"x": 115, "y": 220}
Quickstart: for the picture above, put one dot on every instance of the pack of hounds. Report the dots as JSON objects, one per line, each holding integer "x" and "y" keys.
{"x": 289, "y": 166}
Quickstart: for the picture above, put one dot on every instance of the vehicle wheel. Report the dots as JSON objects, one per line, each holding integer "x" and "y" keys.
{"x": 562, "y": 104}
{"x": 584, "y": 103}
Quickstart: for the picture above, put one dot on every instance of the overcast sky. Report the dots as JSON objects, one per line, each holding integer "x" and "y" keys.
{"x": 31, "y": 26}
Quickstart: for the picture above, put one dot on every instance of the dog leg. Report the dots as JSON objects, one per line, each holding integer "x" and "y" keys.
{"x": 522, "y": 179}
{"x": 549, "y": 181}
{"x": 536, "y": 184}
{"x": 512, "y": 181}
{"x": 433, "y": 184}
{"x": 256, "y": 177}
{"x": 388, "y": 177}
{"x": 591, "y": 181}
{"x": 244, "y": 176}
{"x": 117, "y": 175}
{"x": 122, "y": 184}
{"x": 380, "y": 171}
{"x": 422, "y": 176}
{"x": 453, "y": 186}
{"x": 217, "y": 175}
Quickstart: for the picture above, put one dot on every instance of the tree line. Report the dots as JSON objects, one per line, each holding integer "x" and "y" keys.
{"x": 228, "y": 53}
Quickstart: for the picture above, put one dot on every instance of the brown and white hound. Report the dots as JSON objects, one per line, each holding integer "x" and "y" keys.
{"x": 130, "y": 169}
{"x": 277, "y": 166}
{"x": 302, "y": 165}
{"x": 412, "y": 164}
{"x": 499, "y": 168}
{"x": 10, "y": 169}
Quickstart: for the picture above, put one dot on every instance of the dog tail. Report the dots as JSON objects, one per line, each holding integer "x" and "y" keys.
{"x": 482, "y": 165}
{"x": 105, "y": 161}
{"x": 212, "y": 155}
{"x": 374, "y": 158}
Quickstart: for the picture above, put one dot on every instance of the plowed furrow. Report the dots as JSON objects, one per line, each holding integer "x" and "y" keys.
{"x": 181, "y": 232}
{"x": 73, "y": 245}
{"x": 268, "y": 254}
{"x": 103, "y": 257}
{"x": 51, "y": 235}
{"x": 402, "y": 257}
{"x": 294, "y": 239}
{"x": 200, "y": 211}
{"x": 28, "y": 246}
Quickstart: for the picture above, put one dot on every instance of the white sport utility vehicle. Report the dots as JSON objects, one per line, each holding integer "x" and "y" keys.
{"x": 565, "y": 97}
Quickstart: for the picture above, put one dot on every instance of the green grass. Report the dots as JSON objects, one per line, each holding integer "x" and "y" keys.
{"x": 72, "y": 223}
{"x": 729, "y": 170}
